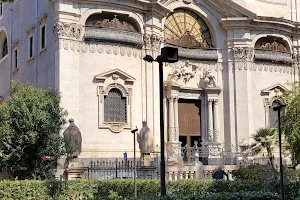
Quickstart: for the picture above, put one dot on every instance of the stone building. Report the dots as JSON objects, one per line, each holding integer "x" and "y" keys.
{"x": 236, "y": 57}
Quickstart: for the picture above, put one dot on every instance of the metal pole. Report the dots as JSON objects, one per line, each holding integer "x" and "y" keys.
{"x": 162, "y": 139}
{"x": 10, "y": 43}
{"x": 134, "y": 173}
{"x": 36, "y": 38}
{"x": 280, "y": 157}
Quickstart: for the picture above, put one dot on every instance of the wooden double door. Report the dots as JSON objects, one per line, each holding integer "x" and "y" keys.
{"x": 189, "y": 117}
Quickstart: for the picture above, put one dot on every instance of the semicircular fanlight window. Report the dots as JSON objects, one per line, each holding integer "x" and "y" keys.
{"x": 186, "y": 29}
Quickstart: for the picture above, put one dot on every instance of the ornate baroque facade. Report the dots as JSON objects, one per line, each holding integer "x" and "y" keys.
{"x": 235, "y": 60}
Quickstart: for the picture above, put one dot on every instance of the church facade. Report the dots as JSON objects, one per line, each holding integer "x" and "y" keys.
{"x": 235, "y": 59}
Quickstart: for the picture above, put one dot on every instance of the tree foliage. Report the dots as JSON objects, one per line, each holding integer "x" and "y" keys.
{"x": 30, "y": 122}
{"x": 291, "y": 120}
{"x": 264, "y": 138}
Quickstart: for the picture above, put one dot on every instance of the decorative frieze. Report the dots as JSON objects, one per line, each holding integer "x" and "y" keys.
{"x": 242, "y": 53}
{"x": 185, "y": 70}
{"x": 68, "y": 30}
{"x": 189, "y": 95}
{"x": 180, "y": 71}
{"x": 264, "y": 66}
{"x": 107, "y": 48}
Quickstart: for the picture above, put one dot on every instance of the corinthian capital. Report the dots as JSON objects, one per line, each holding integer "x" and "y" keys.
{"x": 243, "y": 53}
{"x": 68, "y": 30}
{"x": 152, "y": 41}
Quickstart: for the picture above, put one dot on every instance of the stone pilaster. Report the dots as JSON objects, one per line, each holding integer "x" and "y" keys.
{"x": 210, "y": 120}
{"x": 216, "y": 120}
{"x": 176, "y": 124}
{"x": 171, "y": 119}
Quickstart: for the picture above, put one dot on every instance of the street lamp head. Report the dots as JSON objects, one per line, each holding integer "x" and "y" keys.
{"x": 278, "y": 105}
{"x": 134, "y": 130}
{"x": 148, "y": 58}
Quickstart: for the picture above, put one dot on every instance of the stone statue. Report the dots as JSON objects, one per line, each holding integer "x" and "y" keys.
{"x": 73, "y": 140}
{"x": 145, "y": 140}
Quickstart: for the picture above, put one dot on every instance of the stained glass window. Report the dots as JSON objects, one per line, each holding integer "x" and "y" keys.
{"x": 115, "y": 106}
{"x": 185, "y": 28}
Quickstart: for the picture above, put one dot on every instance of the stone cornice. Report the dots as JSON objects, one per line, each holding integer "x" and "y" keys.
{"x": 273, "y": 56}
{"x": 260, "y": 23}
{"x": 15, "y": 44}
{"x": 42, "y": 19}
{"x": 30, "y": 30}
{"x": 153, "y": 6}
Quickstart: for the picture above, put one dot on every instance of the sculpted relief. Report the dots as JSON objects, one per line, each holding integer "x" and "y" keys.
{"x": 184, "y": 71}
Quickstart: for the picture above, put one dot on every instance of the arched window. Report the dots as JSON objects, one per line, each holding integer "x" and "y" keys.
{"x": 186, "y": 29}
{"x": 115, "y": 106}
{"x": 4, "y": 48}
{"x": 3, "y": 44}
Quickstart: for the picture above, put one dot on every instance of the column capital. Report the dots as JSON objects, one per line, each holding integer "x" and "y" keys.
{"x": 210, "y": 101}
{"x": 173, "y": 97}
{"x": 216, "y": 101}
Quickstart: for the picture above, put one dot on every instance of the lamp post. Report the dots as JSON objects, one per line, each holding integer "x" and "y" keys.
{"x": 278, "y": 106}
{"x": 134, "y": 163}
{"x": 169, "y": 55}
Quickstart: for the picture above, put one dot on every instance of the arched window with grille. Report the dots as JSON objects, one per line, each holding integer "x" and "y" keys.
{"x": 115, "y": 106}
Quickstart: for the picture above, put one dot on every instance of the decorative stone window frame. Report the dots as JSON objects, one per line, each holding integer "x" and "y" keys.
{"x": 1, "y": 10}
{"x": 115, "y": 79}
{"x": 30, "y": 33}
{"x": 270, "y": 95}
{"x": 42, "y": 23}
{"x": 14, "y": 46}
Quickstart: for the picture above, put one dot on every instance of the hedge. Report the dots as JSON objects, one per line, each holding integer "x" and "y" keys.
{"x": 147, "y": 189}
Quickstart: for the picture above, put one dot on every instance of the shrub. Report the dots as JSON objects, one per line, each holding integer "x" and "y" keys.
{"x": 255, "y": 172}
{"x": 147, "y": 189}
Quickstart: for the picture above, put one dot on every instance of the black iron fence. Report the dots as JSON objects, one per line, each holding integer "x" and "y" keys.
{"x": 112, "y": 169}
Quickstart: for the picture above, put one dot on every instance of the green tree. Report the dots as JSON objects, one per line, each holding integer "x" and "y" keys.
{"x": 30, "y": 122}
{"x": 291, "y": 120}
{"x": 265, "y": 138}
